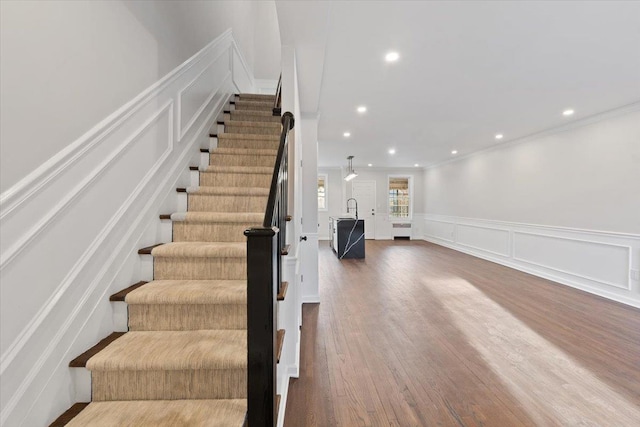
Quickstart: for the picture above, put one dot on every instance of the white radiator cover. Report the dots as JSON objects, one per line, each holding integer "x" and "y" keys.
{"x": 401, "y": 229}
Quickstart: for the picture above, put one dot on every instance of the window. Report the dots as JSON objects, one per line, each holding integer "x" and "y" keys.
{"x": 322, "y": 192}
{"x": 400, "y": 197}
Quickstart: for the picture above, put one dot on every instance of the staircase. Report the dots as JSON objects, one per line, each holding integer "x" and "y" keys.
{"x": 183, "y": 361}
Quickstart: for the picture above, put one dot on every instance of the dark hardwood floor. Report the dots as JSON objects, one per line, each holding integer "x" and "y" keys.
{"x": 420, "y": 335}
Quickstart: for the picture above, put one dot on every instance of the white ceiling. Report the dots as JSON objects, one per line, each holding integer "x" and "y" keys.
{"x": 467, "y": 71}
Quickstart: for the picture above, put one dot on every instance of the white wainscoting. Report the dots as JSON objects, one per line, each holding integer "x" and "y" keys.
{"x": 288, "y": 312}
{"x": 598, "y": 262}
{"x": 308, "y": 255}
{"x": 71, "y": 229}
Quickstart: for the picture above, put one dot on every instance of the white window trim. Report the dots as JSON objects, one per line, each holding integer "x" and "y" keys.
{"x": 411, "y": 203}
{"x": 326, "y": 191}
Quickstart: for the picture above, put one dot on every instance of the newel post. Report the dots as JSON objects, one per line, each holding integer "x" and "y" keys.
{"x": 262, "y": 258}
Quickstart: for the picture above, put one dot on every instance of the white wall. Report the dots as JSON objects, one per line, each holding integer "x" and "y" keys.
{"x": 587, "y": 177}
{"x": 335, "y": 200}
{"x": 54, "y": 53}
{"x": 81, "y": 92}
{"x": 564, "y": 205}
{"x": 267, "y": 55}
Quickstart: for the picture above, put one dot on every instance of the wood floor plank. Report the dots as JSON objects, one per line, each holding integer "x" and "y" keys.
{"x": 417, "y": 334}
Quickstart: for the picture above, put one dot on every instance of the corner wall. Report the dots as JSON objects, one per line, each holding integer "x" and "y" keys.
{"x": 562, "y": 205}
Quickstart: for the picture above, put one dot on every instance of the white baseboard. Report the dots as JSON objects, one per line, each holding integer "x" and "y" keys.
{"x": 311, "y": 299}
{"x": 601, "y": 263}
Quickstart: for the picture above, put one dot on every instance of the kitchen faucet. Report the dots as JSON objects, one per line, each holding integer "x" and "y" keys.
{"x": 349, "y": 208}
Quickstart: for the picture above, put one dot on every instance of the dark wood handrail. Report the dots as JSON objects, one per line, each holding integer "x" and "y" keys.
{"x": 278, "y": 100}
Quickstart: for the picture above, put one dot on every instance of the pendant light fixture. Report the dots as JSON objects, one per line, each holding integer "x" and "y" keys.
{"x": 351, "y": 173}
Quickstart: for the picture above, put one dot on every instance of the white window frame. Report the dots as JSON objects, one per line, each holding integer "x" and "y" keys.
{"x": 411, "y": 202}
{"x": 326, "y": 191}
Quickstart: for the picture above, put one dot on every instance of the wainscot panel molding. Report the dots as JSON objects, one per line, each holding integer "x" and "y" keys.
{"x": 488, "y": 239}
{"x": 288, "y": 315}
{"x": 309, "y": 287}
{"x": 71, "y": 228}
{"x": 417, "y": 226}
{"x": 602, "y": 263}
{"x": 242, "y": 75}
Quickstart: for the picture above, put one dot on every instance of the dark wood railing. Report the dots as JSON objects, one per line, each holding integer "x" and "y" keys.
{"x": 264, "y": 278}
{"x": 277, "y": 110}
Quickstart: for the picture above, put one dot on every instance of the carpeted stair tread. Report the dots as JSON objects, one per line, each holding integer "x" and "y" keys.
{"x": 239, "y": 169}
{"x": 163, "y": 413}
{"x": 257, "y": 113}
{"x": 201, "y": 250}
{"x": 173, "y": 350}
{"x": 242, "y": 158}
{"x": 222, "y": 217}
{"x": 248, "y": 136}
{"x": 250, "y": 124}
{"x": 258, "y": 96}
{"x": 247, "y": 128}
{"x": 244, "y": 151}
{"x": 226, "y": 135}
{"x": 229, "y": 191}
{"x": 194, "y": 292}
{"x": 248, "y": 105}
{"x": 207, "y": 226}
{"x": 253, "y": 116}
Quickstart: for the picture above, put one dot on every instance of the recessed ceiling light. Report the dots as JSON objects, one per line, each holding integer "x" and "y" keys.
{"x": 499, "y": 136}
{"x": 347, "y": 134}
{"x": 568, "y": 112}
{"x": 392, "y": 57}
{"x": 369, "y": 165}
{"x": 362, "y": 109}
{"x": 392, "y": 151}
{"x": 416, "y": 165}
{"x": 454, "y": 152}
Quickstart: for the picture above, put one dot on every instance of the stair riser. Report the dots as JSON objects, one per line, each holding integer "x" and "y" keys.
{"x": 253, "y": 106}
{"x": 249, "y": 116}
{"x": 165, "y": 268}
{"x": 248, "y": 143}
{"x": 214, "y": 203}
{"x": 169, "y": 385}
{"x": 210, "y": 179}
{"x": 210, "y": 232}
{"x": 251, "y": 130}
{"x": 240, "y": 160}
{"x": 186, "y": 317}
{"x": 257, "y": 97}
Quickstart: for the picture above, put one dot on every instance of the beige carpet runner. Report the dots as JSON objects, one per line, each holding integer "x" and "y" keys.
{"x": 184, "y": 360}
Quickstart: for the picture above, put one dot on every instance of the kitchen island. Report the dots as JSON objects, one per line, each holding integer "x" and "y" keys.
{"x": 347, "y": 237}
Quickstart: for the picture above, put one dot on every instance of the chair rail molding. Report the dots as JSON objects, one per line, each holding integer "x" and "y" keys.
{"x": 82, "y": 216}
{"x": 599, "y": 262}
